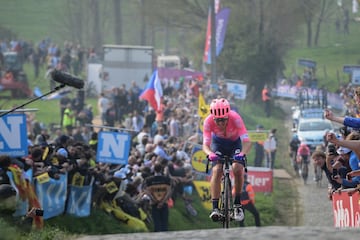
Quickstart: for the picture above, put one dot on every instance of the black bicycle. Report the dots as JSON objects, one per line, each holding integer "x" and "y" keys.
{"x": 226, "y": 200}
{"x": 303, "y": 167}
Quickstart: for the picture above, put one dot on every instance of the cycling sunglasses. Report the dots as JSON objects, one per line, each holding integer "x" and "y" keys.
{"x": 219, "y": 120}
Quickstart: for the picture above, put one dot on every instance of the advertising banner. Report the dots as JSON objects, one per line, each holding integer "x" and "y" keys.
{"x": 113, "y": 147}
{"x": 13, "y": 135}
{"x": 261, "y": 179}
{"x": 346, "y": 207}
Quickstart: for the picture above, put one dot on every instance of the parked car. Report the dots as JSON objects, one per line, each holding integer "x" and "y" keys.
{"x": 299, "y": 113}
{"x": 311, "y": 131}
{"x": 312, "y": 113}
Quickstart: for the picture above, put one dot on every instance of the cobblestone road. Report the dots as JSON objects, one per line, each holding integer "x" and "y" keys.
{"x": 264, "y": 233}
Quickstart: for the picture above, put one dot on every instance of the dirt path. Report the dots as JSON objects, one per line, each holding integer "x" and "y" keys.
{"x": 315, "y": 208}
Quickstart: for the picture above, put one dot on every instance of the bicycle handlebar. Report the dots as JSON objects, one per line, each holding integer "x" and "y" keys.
{"x": 223, "y": 157}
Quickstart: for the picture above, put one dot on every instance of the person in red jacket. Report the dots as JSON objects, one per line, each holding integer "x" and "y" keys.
{"x": 266, "y": 98}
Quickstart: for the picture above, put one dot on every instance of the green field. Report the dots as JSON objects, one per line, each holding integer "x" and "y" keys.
{"x": 334, "y": 51}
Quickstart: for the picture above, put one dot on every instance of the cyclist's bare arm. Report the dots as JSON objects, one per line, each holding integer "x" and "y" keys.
{"x": 354, "y": 145}
{"x": 328, "y": 114}
{"x": 246, "y": 147}
{"x": 206, "y": 149}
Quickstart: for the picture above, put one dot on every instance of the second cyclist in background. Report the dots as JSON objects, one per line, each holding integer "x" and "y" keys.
{"x": 224, "y": 133}
{"x": 303, "y": 159}
{"x": 293, "y": 148}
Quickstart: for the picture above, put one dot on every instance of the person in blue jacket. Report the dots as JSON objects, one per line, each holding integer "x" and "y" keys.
{"x": 346, "y": 121}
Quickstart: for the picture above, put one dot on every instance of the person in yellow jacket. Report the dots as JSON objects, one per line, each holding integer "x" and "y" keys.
{"x": 248, "y": 202}
{"x": 69, "y": 119}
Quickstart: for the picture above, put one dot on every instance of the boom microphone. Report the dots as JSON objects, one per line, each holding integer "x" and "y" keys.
{"x": 67, "y": 79}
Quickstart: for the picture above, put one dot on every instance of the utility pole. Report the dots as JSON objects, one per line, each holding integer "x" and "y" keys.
{"x": 213, "y": 42}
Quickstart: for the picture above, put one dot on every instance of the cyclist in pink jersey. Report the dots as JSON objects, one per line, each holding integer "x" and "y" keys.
{"x": 224, "y": 133}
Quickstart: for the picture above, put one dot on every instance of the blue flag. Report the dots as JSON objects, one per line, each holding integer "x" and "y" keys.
{"x": 52, "y": 196}
{"x": 222, "y": 18}
{"x": 79, "y": 201}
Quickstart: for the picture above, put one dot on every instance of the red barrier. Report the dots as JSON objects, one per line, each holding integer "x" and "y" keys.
{"x": 260, "y": 178}
{"x": 346, "y": 208}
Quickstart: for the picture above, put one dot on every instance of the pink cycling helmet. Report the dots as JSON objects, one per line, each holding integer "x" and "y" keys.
{"x": 220, "y": 108}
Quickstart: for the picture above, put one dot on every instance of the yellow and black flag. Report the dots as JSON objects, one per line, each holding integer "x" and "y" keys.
{"x": 203, "y": 111}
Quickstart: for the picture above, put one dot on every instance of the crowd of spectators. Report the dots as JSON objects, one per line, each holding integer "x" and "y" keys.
{"x": 46, "y": 54}
{"x": 341, "y": 158}
{"x": 159, "y": 138}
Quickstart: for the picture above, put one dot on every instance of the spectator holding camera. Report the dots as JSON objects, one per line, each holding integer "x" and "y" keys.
{"x": 353, "y": 144}
{"x": 331, "y": 163}
{"x": 337, "y": 160}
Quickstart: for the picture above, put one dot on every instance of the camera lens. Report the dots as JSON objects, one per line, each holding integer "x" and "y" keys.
{"x": 335, "y": 172}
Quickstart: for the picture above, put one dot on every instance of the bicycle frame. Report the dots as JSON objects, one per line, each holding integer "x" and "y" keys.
{"x": 226, "y": 200}
{"x": 226, "y": 194}
{"x": 304, "y": 168}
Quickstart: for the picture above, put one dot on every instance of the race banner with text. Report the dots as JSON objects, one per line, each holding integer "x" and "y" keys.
{"x": 261, "y": 179}
{"x": 346, "y": 208}
{"x": 221, "y": 21}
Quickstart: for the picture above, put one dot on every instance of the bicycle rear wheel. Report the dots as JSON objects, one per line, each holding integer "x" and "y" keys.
{"x": 305, "y": 172}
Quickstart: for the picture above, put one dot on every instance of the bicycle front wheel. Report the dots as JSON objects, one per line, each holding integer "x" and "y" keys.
{"x": 226, "y": 201}
{"x": 305, "y": 172}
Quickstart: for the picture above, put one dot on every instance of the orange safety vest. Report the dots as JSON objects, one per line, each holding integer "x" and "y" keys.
{"x": 246, "y": 198}
{"x": 249, "y": 189}
{"x": 264, "y": 94}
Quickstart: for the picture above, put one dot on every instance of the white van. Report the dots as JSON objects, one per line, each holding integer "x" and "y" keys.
{"x": 169, "y": 61}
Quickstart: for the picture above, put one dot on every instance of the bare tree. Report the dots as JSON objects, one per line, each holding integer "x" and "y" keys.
{"x": 258, "y": 37}
{"x": 327, "y": 10}
{"x": 313, "y": 10}
{"x": 118, "y": 21}
{"x": 96, "y": 30}
{"x": 143, "y": 25}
